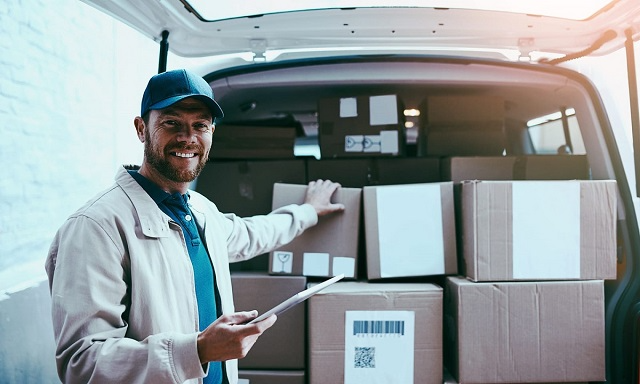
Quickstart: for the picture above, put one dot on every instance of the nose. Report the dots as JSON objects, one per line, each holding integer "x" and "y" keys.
{"x": 186, "y": 134}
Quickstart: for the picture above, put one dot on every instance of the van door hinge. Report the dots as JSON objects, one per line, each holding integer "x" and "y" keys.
{"x": 525, "y": 46}
{"x": 258, "y": 47}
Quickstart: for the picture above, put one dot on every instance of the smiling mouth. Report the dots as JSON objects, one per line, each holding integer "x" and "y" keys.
{"x": 184, "y": 155}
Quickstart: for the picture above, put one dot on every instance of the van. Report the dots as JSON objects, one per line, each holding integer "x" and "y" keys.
{"x": 387, "y": 93}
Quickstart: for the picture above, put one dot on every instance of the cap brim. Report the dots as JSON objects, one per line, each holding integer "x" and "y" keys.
{"x": 215, "y": 109}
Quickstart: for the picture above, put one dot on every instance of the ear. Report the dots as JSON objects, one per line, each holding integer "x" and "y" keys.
{"x": 140, "y": 127}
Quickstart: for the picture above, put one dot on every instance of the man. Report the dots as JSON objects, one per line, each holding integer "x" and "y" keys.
{"x": 139, "y": 276}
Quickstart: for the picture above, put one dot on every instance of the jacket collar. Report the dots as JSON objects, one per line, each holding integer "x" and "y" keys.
{"x": 153, "y": 222}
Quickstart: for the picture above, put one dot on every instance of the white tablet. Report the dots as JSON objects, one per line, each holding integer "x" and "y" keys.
{"x": 297, "y": 298}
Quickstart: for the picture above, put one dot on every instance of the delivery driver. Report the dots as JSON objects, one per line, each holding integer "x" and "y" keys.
{"x": 139, "y": 275}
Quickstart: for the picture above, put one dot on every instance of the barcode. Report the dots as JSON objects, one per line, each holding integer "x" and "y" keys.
{"x": 378, "y": 327}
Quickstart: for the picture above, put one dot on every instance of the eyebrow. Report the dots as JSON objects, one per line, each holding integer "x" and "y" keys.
{"x": 173, "y": 111}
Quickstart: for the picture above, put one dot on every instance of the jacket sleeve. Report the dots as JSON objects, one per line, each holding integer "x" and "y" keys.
{"x": 90, "y": 289}
{"x": 253, "y": 236}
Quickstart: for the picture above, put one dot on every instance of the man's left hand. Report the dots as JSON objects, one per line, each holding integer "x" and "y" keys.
{"x": 319, "y": 194}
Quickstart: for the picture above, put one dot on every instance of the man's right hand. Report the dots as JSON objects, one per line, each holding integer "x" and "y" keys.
{"x": 230, "y": 338}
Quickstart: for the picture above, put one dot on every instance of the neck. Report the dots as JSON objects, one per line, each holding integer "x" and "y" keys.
{"x": 165, "y": 184}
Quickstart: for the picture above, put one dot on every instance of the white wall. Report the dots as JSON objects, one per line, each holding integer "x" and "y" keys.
{"x": 71, "y": 79}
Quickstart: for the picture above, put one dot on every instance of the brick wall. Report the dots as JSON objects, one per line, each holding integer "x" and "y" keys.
{"x": 71, "y": 82}
{"x": 71, "y": 79}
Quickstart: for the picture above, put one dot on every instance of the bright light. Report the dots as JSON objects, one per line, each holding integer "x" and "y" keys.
{"x": 551, "y": 117}
{"x": 412, "y": 112}
{"x": 409, "y": 124}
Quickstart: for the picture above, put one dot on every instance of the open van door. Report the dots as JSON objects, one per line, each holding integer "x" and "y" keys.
{"x": 538, "y": 35}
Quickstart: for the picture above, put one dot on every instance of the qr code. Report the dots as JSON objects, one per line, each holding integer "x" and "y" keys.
{"x": 365, "y": 357}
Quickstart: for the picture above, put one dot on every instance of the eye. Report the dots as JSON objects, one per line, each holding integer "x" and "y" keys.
{"x": 203, "y": 127}
{"x": 171, "y": 123}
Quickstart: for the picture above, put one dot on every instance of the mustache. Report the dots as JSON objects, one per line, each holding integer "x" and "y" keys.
{"x": 192, "y": 148}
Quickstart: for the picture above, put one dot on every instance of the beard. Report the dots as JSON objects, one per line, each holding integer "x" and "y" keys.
{"x": 157, "y": 160}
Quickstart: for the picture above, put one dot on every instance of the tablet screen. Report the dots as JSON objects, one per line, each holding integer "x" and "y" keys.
{"x": 297, "y": 298}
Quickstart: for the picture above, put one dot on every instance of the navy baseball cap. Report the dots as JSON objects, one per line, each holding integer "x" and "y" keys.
{"x": 167, "y": 88}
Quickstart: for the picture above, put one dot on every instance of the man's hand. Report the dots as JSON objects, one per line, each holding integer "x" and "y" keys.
{"x": 229, "y": 338}
{"x": 319, "y": 194}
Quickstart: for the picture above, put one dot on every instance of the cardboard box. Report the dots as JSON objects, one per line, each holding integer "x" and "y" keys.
{"x": 462, "y": 125}
{"x": 464, "y": 109}
{"x": 283, "y": 346}
{"x": 524, "y": 332}
{"x": 474, "y": 139}
{"x": 410, "y": 230}
{"x": 543, "y": 167}
{"x": 253, "y": 142}
{"x": 539, "y": 230}
{"x": 407, "y": 350}
{"x": 326, "y": 249}
{"x": 358, "y": 126}
{"x": 358, "y": 173}
{"x": 271, "y": 377}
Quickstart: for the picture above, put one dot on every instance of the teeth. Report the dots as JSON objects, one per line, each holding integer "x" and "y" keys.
{"x": 185, "y": 154}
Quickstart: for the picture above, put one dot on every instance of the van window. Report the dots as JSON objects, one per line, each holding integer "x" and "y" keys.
{"x": 549, "y": 137}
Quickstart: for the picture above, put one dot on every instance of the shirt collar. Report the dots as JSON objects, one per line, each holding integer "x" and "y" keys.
{"x": 154, "y": 191}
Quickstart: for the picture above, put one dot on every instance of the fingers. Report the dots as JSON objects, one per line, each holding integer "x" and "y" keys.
{"x": 229, "y": 337}
{"x": 319, "y": 194}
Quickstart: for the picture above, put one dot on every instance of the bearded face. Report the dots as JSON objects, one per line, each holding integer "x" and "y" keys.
{"x": 159, "y": 159}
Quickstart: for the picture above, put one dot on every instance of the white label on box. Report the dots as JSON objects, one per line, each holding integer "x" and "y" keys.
{"x": 346, "y": 265}
{"x": 371, "y": 143}
{"x": 282, "y": 262}
{"x": 389, "y": 141}
{"x": 383, "y": 110}
{"x": 546, "y": 230}
{"x": 348, "y": 107}
{"x": 410, "y": 230}
{"x": 315, "y": 264}
{"x": 353, "y": 143}
{"x": 379, "y": 347}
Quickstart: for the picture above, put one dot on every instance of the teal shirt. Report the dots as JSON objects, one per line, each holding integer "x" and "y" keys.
{"x": 176, "y": 206}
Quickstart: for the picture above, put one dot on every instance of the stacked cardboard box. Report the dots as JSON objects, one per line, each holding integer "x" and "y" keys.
{"x": 362, "y": 332}
{"x": 459, "y": 125}
{"x": 410, "y": 230}
{"x": 359, "y": 126}
{"x": 525, "y": 332}
{"x": 358, "y": 173}
{"x": 547, "y": 167}
{"x": 259, "y": 291}
{"x": 532, "y": 306}
{"x": 326, "y": 249}
{"x": 253, "y": 142}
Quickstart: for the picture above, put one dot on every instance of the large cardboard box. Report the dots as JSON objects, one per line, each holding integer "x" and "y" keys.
{"x": 410, "y": 230}
{"x": 539, "y": 230}
{"x": 371, "y": 125}
{"x": 524, "y": 332}
{"x": 543, "y": 167}
{"x": 270, "y": 377}
{"x": 326, "y": 249}
{"x": 376, "y": 333}
{"x": 283, "y": 346}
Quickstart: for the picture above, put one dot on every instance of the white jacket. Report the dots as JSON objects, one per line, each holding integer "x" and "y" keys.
{"x": 123, "y": 297}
